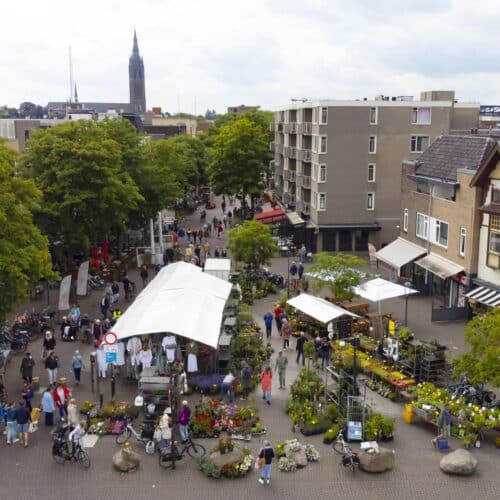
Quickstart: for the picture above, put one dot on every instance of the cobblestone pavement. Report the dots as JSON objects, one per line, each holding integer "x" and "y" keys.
{"x": 32, "y": 474}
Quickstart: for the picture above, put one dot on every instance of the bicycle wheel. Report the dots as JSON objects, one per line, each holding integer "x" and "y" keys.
{"x": 165, "y": 459}
{"x": 83, "y": 459}
{"x": 196, "y": 450}
{"x": 339, "y": 447}
{"x": 124, "y": 436}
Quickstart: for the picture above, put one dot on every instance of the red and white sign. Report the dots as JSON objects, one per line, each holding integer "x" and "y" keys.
{"x": 110, "y": 338}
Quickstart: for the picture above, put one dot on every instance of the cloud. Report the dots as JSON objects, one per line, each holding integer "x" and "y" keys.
{"x": 227, "y": 52}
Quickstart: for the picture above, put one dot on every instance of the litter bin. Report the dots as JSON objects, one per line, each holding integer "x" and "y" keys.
{"x": 36, "y": 384}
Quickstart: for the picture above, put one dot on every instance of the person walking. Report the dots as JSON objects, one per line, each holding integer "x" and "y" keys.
{"x": 104, "y": 305}
{"x": 27, "y": 395}
{"x": 27, "y": 365}
{"x": 293, "y": 274}
{"x": 286, "y": 331}
{"x": 184, "y": 417}
{"x": 144, "y": 276}
{"x": 61, "y": 395}
{"x": 226, "y": 387}
{"x": 300, "y": 270}
{"x": 266, "y": 455}
{"x": 52, "y": 364}
{"x": 268, "y": 320}
{"x": 266, "y": 380}
{"x": 23, "y": 419}
{"x": 245, "y": 377}
{"x": 10, "y": 416}
{"x": 49, "y": 344}
{"x": 73, "y": 414}
{"x": 220, "y": 229}
{"x": 48, "y": 407}
{"x": 277, "y": 312}
{"x": 77, "y": 366}
{"x": 303, "y": 254}
{"x": 444, "y": 421}
{"x": 324, "y": 351}
{"x": 280, "y": 367}
{"x": 299, "y": 347}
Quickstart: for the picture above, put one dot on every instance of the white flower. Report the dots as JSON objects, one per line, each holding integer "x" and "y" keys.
{"x": 286, "y": 464}
{"x": 312, "y": 453}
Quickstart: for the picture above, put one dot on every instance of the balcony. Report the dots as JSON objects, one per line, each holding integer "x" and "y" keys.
{"x": 306, "y": 208}
{"x": 292, "y": 176}
{"x": 306, "y": 155}
{"x": 306, "y": 181}
{"x": 292, "y": 129}
{"x": 299, "y": 180}
{"x": 278, "y": 170}
{"x": 290, "y": 152}
{"x": 305, "y": 128}
{"x": 278, "y": 148}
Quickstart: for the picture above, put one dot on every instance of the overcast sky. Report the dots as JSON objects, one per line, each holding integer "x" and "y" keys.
{"x": 226, "y": 52}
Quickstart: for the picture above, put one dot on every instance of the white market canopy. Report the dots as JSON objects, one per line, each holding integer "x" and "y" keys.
{"x": 182, "y": 300}
{"x": 379, "y": 289}
{"x": 318, "y": 308}
{"x": 439, "y": 266}
{"x": 400, "y": 252}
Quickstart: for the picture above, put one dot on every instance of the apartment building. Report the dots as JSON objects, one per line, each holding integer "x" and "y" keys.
{"x": 437, "y": 249}
{"x": 338, "y": 163}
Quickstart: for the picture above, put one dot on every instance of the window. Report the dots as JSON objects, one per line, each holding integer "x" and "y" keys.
{"x": 419, "y": 143}
{"x": 324, "y": 116}
{"x": 439, "y": 235}
{"x": 314, "y": 172}
{"x": 370, "y": 201}
{"x": 373, "y": 116}
{"x": 323, "y": 144}
{"x": 372, "y": 144}
{"x": 463, "y": 237}
{"x": 321, "y": 201}
{"x": 371, "y": 172}
{"x": 494, "y": 242}
{"x": 422, "y": 226}
{"x": 314, "y": 197}
{"x": 421, "y": 116}
{"x": 322, "y": 173}
{"x": 405, "y": 220}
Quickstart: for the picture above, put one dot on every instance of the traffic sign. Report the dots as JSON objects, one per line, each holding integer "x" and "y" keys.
{"x": 110, "y": 338}
{"x": 111, "y": 353}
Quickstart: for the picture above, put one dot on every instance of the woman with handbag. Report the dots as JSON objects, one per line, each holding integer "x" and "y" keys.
{"x": 265, "y": 460}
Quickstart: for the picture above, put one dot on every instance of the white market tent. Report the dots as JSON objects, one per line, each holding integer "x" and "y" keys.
{"x": 379, "y": 289}
{"x": 218, "y": 267}
{"x": 182, "y": 300}
{"x": 318, "y": 308}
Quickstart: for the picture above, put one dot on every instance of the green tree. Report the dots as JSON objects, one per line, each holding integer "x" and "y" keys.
{"x": 24, "y": 255}
{"x": 238, "y": 159}
{"x": 482, "y": 362}
{"x": 86, "y": 192}
{"x": 252, "y": 243}
{"x": 339, "y": 273}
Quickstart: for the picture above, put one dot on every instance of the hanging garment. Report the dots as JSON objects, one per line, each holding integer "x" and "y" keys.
{"x": 192, "y": 363}
{"x": 102, "y": 366}
{"x": 169, "y": 344}
{"x": 134, "y": 346}
{"x": 145, "y": 357}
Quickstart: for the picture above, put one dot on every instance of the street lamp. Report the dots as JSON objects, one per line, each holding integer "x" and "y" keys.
{"x": 407, "y": 284}
{"x": 288, "y": 271}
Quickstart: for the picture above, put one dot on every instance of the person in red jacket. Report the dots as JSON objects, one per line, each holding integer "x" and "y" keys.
{"x": 277, "y": 313}
{"x": 61, "y": 397}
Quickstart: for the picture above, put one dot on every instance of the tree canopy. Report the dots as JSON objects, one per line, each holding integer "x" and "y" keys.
{"x": 238, "y": 159}
{"x": 86, "y": 190}
{"x": 339, "y": 273}
{"x": 24, "y": 255}
{"x": 252, "y": 243}
{"x": 482, "y": 362}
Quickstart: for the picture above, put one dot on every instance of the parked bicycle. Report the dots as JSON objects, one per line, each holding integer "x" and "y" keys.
{"x": 62, "y": 453}
{"x": 129, "y": 431}
{"x": 350, "y": 459}
{"x": 170, "y": 454}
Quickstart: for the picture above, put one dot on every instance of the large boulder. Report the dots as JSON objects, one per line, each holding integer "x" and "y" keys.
{"x": 459, "y": 462}
{"x": 233, "y": 457}
{"x": 297, "y": 454}
{"x": 126, "y": 460}
{"x": 381, "y": 461}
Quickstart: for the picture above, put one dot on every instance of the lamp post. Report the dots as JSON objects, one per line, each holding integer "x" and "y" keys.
{"x": 407, "y": 284}
{"x": 355, "y": 345}
{"x": 288, "y": 271}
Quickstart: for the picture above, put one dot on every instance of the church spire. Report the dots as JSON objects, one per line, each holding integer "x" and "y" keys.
{"x": 76, "y": 94}
{"x": 136, "y": 80}
{"x": 135, "y": 49}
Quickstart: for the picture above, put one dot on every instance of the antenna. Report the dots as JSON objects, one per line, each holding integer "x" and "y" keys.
{"x": 70, "y": 74}
{"x": 299, "y": 99}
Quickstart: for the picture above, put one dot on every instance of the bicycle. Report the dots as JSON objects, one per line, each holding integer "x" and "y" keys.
{"x": 350, "y": 459}
{"x": 129, "y": 431}
{"x": 61, "y": 453}
{"x": 170, "y": 454}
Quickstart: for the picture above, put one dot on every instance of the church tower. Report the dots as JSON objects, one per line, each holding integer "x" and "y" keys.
{"x": 136, "y": 81}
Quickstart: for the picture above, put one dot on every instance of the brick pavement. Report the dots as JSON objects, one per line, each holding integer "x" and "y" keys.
{"x": 31, "y": 473}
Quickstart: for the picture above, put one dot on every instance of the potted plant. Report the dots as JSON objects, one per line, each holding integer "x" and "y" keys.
{"x": 386, "y": 428}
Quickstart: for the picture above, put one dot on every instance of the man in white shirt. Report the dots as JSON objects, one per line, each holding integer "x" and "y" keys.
{"x": 227, "y": 387}
{"x": 75, "y": 437}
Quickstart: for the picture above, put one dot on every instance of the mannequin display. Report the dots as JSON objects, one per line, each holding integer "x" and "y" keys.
{"x": 145, "y": 357}
{"x": 192, "y": 358}
{"x": 102, "y": 366}
{"x": 169, "y": 344}
{"x": 134, "y": 347}
{"x": 182, "y": 383}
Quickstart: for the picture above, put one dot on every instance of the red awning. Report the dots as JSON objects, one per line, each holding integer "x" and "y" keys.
{"x": 270, "y": 216}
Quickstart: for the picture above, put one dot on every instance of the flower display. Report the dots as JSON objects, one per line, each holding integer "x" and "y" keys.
{"x": 312, "y": 453}
{"x": 286, "y": 465}
{"x": 229, "y": 470}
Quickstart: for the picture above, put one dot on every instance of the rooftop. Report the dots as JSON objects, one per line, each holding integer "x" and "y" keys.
{"x": 450, "y": 153}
